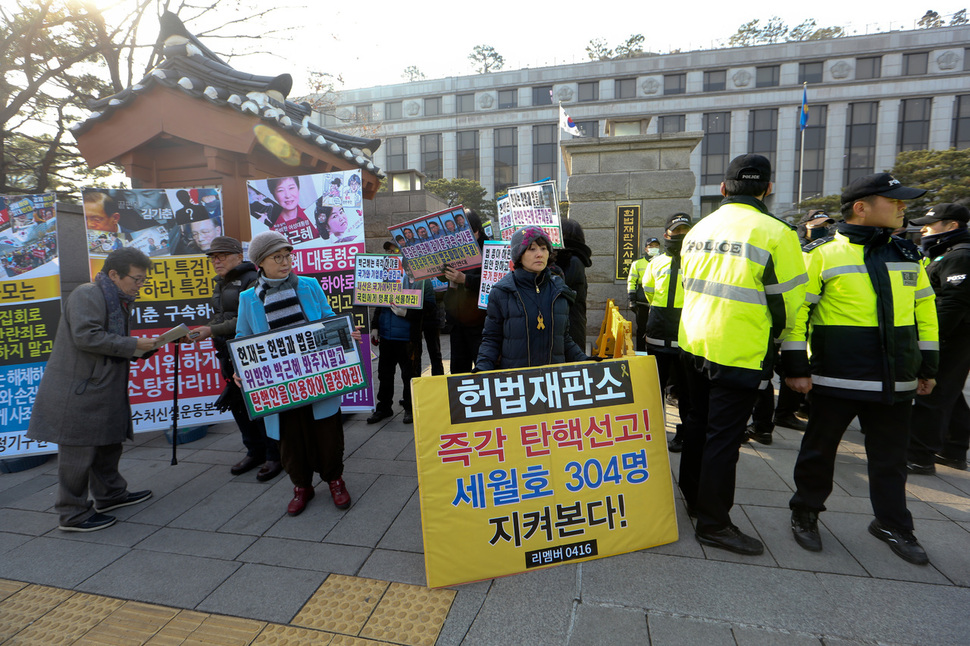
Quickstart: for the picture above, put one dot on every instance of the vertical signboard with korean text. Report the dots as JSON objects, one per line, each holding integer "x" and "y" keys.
{"x": 532, "y": 467}
{"x": 627, "y": 238}
{"x": 175, "y": 228}
{"x": 323, "y": 217}
{"x": 30, "y": 309}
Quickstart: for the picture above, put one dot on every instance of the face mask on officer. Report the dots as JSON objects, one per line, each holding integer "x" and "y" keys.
{"x": 673, "y": 244}
{"x": 653, "y": 251}
{"x": 817, "y": 233}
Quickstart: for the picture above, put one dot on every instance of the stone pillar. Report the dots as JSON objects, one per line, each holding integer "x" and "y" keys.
{"x": 652, "y": 171}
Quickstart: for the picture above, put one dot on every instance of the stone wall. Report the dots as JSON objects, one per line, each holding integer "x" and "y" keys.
{"x": 652, "y": 171}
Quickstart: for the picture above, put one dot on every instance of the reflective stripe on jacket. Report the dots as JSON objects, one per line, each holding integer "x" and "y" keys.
{"x": 666, "y": 298}
{"x": 869, "y": 318}
{"x": 744, "y": 280}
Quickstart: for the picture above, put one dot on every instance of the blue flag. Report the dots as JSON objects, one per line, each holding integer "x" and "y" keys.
{"x": 803, "y": 119}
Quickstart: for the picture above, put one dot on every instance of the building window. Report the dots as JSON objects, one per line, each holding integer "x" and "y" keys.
{"x": 709, "y": 204}
{"x": 589, "y": 91}
{"x": 466, "y": 102}
{"x": 763, "y": 133}
{"x": 716, "y": 147}
{"x": 431, "y": 156}
{"x": 542, "y": 95}
{"x": 544, "y": 152}
{"x": 508, "y": 98}
{"x": 860, "y": 140}
{"x": 814, "y": 152}
{"x": 809, "y": 72}
{"x": 362, "y": 113}
{"x": 961, "y": 122}
{"x": 625, "y": 89}
{"x": 589, "y": 128}
{"x": 915, "y": 63}
{"x": 468, "y": 154}
{"x": 914, "y": 124}
{"x": 432, "y": 106}
{"x": 868, "y": 68}
{"x": 671, "y": 123}
{"x": 715, "y": 81}
{"x": 506, "y": 158}
{"x": 397, "y": 153}
{"x": 675, "y": 83}
{"x": 393, "y": 110}
{"x": 767, "y": 76}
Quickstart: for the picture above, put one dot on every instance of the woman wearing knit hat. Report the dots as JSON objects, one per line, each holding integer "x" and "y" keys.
{"x": 528, "y": 311}
{"x": 312, "y": 437}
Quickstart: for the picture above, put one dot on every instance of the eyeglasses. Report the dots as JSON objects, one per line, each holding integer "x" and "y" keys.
{"x": 139, "y": 280}
{"x": 221, "y": 257}
{"x": 281, "y": 258}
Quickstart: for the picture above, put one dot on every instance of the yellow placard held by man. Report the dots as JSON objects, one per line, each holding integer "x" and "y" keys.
{"x": 528, "y": 468}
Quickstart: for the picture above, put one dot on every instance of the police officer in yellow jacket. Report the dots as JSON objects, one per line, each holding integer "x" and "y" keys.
{"x": 634, "y": 286}
{"x": 870, "y": 322}
{"x": 663, "y": 290}
{"x": 744, "y": 280}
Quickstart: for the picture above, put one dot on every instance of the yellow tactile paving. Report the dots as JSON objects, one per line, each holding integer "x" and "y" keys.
{"x": 409, "y": 614}
{"x": 7, "y": 588}
{"x": 342, "y": 604}
{"x": 69, "y": 620}
{"x": 344, "y": 611}
{"x": 280, "y": 635}
{"x": 28, "y": 605}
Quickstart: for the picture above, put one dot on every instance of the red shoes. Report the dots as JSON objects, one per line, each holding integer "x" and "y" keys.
{"x": 301, "y": 496}
{"x": 339, "y": 492}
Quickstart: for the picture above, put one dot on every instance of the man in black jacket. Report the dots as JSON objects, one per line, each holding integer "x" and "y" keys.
{"x": 940, "y": 426}
{"x": 234, "y": 276}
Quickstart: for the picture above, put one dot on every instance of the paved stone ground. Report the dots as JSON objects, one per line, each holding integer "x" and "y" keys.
{"x": 215, "y": 543}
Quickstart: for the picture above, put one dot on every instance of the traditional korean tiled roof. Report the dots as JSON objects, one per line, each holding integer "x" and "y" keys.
{"x": 191, "y": 67}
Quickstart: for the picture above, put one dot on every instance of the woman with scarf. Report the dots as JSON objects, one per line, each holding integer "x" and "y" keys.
{"x": 311, "y": 437}
{"x": 527, "y": 323}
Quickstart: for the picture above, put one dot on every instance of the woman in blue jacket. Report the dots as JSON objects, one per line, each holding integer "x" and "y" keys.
{"x": 527, "y": 323}
{"x": 311, "y": 437}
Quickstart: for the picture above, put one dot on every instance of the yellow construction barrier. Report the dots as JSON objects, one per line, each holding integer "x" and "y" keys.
{"x": 615, "y": 339}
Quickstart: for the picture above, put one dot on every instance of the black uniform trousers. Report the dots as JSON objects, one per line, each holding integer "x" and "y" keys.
{"x": 712, "y": 437}
{"x": 465, "y": 342}
{"x": 765, "y": 411}
{"x": 941, "y": 420}
{"x": 670, "y": 369}
{"x": 886, "y": 430}
{"x": 642, "y": 312}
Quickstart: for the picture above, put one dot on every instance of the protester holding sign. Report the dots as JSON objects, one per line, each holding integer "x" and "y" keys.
{"x": 528, "y": 311}
{"x": 312, "y": 437}
{"x": 461, "y": 305}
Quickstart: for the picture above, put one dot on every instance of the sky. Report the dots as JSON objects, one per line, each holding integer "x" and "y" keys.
{"x": 370, "y": 44}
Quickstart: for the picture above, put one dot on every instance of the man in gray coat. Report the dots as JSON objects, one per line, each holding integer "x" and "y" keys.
{"x": 82, "y": 403}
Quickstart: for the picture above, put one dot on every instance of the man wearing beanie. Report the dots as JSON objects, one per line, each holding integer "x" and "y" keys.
{"x": 869, "y": 319}
{"x": 233, "y": 276}
{"x": 664, "y": 291}
{"x": 940, "y": 428}
{"x": 744, "y": 280}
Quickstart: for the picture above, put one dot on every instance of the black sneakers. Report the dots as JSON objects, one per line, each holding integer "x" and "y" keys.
{"x": 804, "y": 526}
{"x": 953, "y": 463}
{"x": 92, "y": 524}
{"x": 131, "y": 498}
{"x": 731, "y": 539}
{"x": 752, "y": 433}
{"x": 792, "y": 422}
{"x": 675, "y": 445}
{"x": 920, "y": 469}
{"x": 903, "y": 543}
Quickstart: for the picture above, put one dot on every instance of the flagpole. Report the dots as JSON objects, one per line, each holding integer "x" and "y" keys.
{"x": 559, "y": 148}
{"x": 801, "y": 161}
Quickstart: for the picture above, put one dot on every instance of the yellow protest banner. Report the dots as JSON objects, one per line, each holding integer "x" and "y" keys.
{"x": 529, "y": 468}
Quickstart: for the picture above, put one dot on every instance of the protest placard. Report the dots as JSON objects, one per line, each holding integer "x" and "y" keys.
{"x": 533, "y": 204}
{"x": 379, "y": 281}
{"x": 323, "y": 217}
{"x": 532, "y": 467}
{"x": 160, "y": 222}
{"x": 496, "y": 263}
{"x": 30, "y": 310}
{"x": 435, "y": 240}
{"x": 297, "y": 365}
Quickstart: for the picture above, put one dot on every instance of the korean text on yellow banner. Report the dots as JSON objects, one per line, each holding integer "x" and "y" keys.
{"x": 539, "y": 466}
